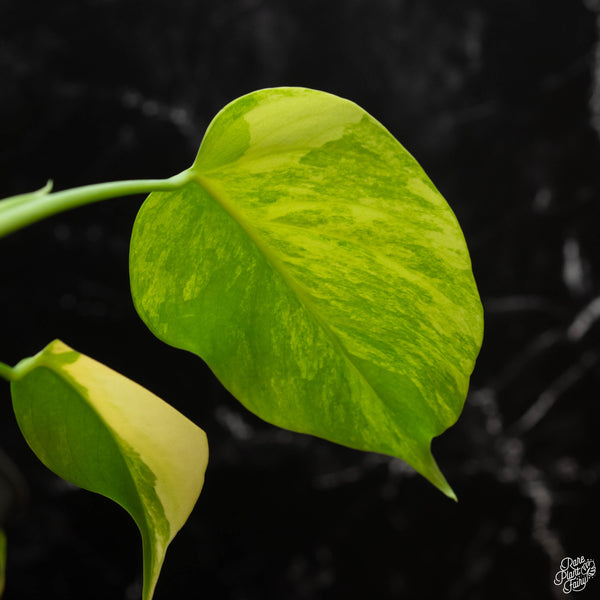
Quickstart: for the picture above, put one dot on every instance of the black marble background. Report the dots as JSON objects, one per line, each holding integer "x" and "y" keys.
{"x": 500, "y": 102}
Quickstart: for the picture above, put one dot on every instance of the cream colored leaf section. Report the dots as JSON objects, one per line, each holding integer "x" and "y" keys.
{"x": 172, "y": 447}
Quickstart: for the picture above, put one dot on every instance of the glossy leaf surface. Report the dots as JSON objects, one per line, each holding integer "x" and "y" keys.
{"x": 105, "y": 433}
{"x": 317, "y": 270}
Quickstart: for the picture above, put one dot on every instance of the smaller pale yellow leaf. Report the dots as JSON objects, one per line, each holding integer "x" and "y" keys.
{"x": 105, "y": 433}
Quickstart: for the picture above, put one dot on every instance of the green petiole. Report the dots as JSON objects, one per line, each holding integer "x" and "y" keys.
{"x": 7, "y": 372}
{"x": 20, "y": 211}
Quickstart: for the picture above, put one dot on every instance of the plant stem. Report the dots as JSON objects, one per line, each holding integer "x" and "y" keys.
{"x": 7, "y": 372}
{"x": 20, "y": 211}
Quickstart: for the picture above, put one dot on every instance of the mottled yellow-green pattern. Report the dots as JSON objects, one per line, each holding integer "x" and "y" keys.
{"x": 316, "y": 269}
{"x": 105, "y": 433}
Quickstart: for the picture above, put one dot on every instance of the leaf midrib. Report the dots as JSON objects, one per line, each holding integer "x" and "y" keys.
{"x": 296, "y": 287}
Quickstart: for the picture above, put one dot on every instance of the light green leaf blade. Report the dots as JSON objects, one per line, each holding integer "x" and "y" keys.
{"x": 317, "y": 270}
{"x": 105, "y": 433}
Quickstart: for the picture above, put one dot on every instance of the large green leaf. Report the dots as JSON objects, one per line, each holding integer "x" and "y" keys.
{"x": 320, "y": 274}
{"x": 105, "y": 433}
